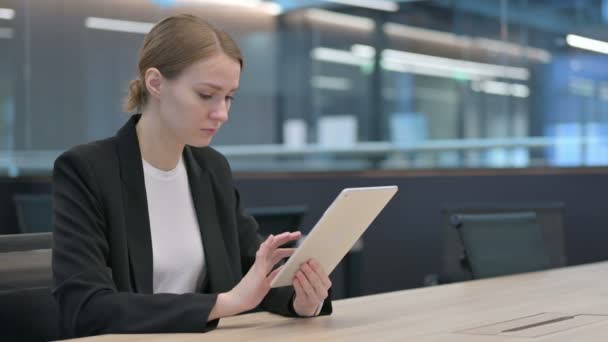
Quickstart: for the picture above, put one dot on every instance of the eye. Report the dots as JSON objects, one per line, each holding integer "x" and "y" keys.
{"x": 205, "y": 96}
{"x": 229, "y": 98}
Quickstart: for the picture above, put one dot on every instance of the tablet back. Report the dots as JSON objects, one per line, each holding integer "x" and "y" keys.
{"x": 338, "y": 229}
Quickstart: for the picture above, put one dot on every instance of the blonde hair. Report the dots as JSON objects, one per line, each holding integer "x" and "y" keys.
{"x": 171, "y": 46}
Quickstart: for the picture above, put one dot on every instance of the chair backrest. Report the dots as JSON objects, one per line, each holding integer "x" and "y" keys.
{"x": 275, "y": 220}
{"x": 28, "y": 311}
{"x": 34, "y": 212}
{"x": 19, "y": 270}
{"x": 549, "y": 216}
{"x": 25, "y": 242}
{"x": 501, "y": 244}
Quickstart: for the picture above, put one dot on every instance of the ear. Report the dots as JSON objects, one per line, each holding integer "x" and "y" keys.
{"x": 153, "y": 80}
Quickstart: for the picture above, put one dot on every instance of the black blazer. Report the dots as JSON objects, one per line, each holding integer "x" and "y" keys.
{"x": 102, "y": 253}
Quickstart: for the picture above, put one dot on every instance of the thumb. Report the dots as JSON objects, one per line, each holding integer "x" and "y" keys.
{"x": 273, "y": 274}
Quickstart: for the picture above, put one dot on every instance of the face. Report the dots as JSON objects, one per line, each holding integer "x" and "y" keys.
{"x": 195, "y": 105}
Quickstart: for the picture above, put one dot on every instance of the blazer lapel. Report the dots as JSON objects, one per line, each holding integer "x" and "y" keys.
{"x": 137, "y": 222}
{"x": 219, "y": 273}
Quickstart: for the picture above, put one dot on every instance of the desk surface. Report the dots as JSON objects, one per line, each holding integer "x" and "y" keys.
{"x": 433, "y": 314}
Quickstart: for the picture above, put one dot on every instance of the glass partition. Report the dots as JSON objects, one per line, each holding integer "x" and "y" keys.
{"x": 328, "y": 85}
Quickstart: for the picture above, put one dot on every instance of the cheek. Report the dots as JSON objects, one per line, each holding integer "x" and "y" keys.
{"x": 181, "y": 99}
{"x": 185, "y": 108}
{"x": 175, "y": 110}
{"x": 185, "y": 105}
{"x": 176, "y": 95}
{"x": 170, "y": 100}
{"x": 189, "y": 102}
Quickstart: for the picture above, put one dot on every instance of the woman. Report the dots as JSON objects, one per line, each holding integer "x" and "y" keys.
{"x": 150, "y": 235}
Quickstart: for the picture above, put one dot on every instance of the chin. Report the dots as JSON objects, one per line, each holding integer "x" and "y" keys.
{"x": 200, "y": 143}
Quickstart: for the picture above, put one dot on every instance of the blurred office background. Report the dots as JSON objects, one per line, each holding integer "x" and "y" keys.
{"x": 407, "y": 84}
{"x": 472, "y": 107}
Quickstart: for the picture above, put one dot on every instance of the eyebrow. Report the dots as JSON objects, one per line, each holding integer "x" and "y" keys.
{"x": 215, "y": 86}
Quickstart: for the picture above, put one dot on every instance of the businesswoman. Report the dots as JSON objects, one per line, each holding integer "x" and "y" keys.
{"x": 150, "y": 234}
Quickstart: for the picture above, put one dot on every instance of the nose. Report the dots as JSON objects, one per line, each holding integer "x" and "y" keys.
{"x": 220, "y": 113}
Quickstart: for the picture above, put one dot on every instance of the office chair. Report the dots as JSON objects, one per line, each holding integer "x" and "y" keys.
{"x": 275, "y": 220}
{"x": 25, "y": 242}
{"x": 34, "y": 212}
{"x": 28, "y": 311}
{"x": 500, "y": 244}
{"x": 25, "y": 269}
{"x": 549, "y": 216}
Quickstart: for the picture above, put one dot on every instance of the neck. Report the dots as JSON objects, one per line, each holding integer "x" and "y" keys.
{"x": 158, "y": 146}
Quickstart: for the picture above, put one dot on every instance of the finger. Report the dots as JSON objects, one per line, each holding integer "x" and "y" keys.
{"x": 307, "y": 287}
{"x": 265, "y": 246}
{"x": 273, "y": 274}
{"x": 283, "y": 238}
{"x": 321, "y": 273}
{"x": 269, "y": 239}
{"x": 297, "y": 285}
{"x": 314, "y": 280}
{"x": 281, "y": 253}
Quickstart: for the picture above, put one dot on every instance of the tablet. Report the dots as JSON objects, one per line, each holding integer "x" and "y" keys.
{"x": 337, "y": 230}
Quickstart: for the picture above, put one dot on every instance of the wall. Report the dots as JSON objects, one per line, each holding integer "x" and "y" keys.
{"x": 405, "y": 243}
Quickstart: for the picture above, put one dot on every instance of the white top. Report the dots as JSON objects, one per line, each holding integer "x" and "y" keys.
{"x": 177, "y": 247}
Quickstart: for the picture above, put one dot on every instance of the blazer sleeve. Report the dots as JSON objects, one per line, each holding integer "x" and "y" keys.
{"x": 278, "y": 300}
{"x": 87, "y": 296}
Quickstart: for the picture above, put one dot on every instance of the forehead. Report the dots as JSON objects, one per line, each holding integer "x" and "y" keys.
{"x": 218, "y": 69}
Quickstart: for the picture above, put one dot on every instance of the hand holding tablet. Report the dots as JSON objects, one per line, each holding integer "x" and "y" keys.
{"x": 337, "y": 230}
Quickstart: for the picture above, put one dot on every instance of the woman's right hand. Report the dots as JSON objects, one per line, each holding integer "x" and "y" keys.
{"x": 254, "y": 286}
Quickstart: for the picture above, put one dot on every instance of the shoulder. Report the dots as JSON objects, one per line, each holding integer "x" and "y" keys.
{"x": 86, "y": 157}
{"x": 88, "y": 150}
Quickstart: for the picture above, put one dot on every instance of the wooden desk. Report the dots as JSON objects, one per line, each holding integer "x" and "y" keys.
{"x": 434, "y": 314}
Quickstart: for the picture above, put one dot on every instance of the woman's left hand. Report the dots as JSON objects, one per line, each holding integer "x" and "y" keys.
{"x": 312, "y": 286}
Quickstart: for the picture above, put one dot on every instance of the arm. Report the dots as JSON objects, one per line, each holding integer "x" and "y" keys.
{"x": 88, "y": 299}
